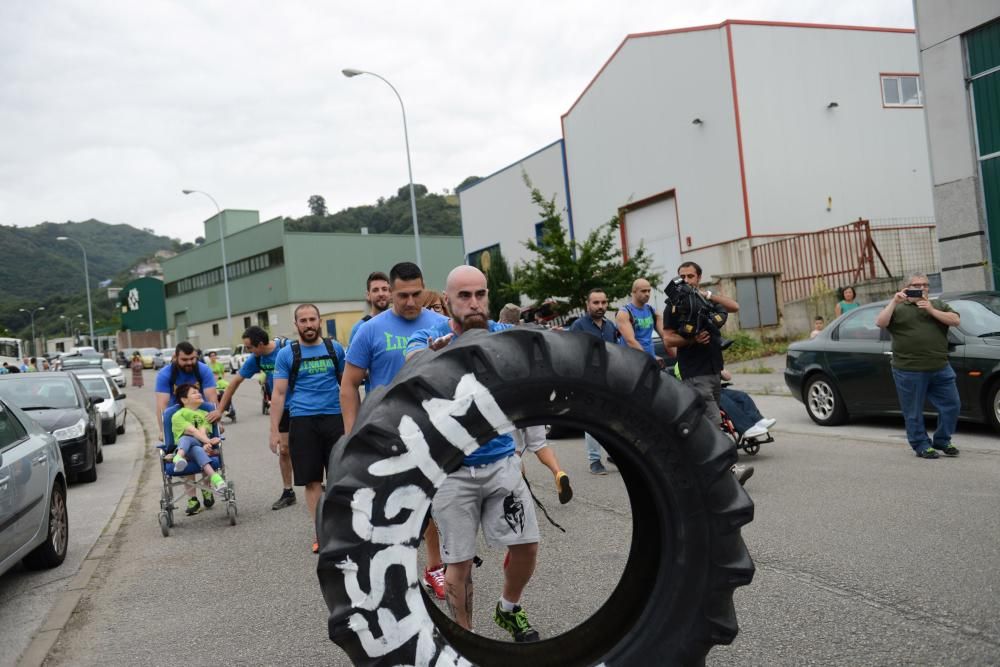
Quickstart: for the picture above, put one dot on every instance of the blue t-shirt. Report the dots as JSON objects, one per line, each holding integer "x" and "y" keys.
{"x": 317, "y": 390}
{"x": 354, "y": 330}
{"x": 203, "y": 377}
{"x": 264, "y": 363}
{"x": 608, "y": 331}
{"x": 380, "y": 345}
{"x": 643, "y": 322}
{"x": 499, "y": 447}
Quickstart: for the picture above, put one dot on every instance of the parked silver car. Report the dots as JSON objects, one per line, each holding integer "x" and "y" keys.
{"x": 112, "y": 403}
{"x": 34, "y": 523}
{"x": 114, "y": 371}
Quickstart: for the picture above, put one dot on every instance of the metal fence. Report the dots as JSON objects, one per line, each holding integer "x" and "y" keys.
{"x": 849, "y": 254}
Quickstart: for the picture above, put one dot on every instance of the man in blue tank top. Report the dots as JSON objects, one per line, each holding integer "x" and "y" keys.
{"x": 488, "y": 490}
{"x": 637, "y": 319}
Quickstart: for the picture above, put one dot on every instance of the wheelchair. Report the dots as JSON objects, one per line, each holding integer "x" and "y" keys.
{"x": 749, "y": 445}
{"x": 175, "y": 478}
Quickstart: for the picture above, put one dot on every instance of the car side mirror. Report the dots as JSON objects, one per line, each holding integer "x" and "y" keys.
{"x": 121, "y": 397}
{"x": 94, "y": 401}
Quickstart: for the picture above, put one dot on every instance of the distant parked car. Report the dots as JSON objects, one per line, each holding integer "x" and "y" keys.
{"x": 168, "y": 355}
{"x": 240, "y": 354}
{"x": 224, "y": 354}
{"x": 114, "y": 371}
{"x": 57, "y": 402}
{"x": 149, "y": 357}
{"x": 77, "y": 361}
{"x": 112, "y": 403}
{"x": 34, "y": 524}
{"x": 846, "y": 370}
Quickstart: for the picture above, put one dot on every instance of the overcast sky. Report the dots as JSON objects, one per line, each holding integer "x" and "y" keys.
{"x": 109, "y": 108}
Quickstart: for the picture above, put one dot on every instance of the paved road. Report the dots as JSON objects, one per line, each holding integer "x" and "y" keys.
{"x": 26, "y": 598}
{"x": 865, "y": 555}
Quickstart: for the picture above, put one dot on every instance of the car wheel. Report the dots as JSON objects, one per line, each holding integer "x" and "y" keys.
{"x": 52, "y": 551}
{"x": 88, "y": 476}
{"x": 823, "y": 402}
{"x": 110, "y": 439}
{"x": 674, "y": 600}
{"x": 993, "y": 406}
{"x": 121, "y": 429}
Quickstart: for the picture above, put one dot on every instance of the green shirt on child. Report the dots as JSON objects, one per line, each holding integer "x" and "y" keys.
{"x": 187, "y": 417}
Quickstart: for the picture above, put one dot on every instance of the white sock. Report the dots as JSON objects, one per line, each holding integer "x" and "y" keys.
{"x": 505, "y": 605}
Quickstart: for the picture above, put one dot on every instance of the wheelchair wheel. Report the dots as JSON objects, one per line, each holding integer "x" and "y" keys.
{"x": 165, "y": 524}
{"x": 751, "y": 448}
{"x": 231, "y": 512}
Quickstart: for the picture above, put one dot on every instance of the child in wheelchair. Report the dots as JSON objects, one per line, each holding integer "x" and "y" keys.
{"x": 741, "y": 419}
{"x": 190, "y": 428}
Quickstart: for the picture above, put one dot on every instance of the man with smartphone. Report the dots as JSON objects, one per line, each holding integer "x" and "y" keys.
{"x": 920, "y": 368}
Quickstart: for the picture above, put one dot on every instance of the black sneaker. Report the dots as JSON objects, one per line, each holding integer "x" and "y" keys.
{"x": 287, "y": 499}
{"x": 516, "y": 623}
{"x": 597, "y": 468}
{"x": 742, "y": 473}
{"x": 929, "y": 453}
{"x": 950, "y": 450}
{"x": 193, "y": 507}
{"x": 208, "y": 498}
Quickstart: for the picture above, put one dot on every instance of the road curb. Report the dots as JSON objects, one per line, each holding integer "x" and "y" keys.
{"x": 41, "y": 644}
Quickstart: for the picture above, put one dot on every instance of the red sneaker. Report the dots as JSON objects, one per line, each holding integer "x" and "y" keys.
{"x": 434, "y": 582}
{"x": 316, "y": 547}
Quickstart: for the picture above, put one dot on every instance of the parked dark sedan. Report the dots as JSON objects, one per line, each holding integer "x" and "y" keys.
{"x": 845, "y": 371}
{"x": 58, "y": 403}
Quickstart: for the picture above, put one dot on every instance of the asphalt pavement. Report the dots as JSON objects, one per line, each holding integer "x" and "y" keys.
{"x": 865, "y": 555}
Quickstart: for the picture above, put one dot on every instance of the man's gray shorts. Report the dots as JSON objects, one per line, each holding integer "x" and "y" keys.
{"x": 493, "y": 496}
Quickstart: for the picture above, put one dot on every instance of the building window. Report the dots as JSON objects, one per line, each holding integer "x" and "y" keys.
{"x": 215, "y": 329}
{"x": 901, "y": 90}
{"x": 262, "y": 320}
{"x": 246, "y": 322}
{"x": 234, "y": 270}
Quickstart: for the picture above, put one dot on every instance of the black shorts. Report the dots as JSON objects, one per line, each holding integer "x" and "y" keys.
{"x": 283, "y": 424}
{"x": 310, "y": 441}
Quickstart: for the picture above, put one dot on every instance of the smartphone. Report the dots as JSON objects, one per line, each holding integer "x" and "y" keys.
{"x": 913, "y": 293}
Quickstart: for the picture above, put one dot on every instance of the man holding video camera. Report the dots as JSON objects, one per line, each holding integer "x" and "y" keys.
{"x": 688, "y": 326}
{"x": 920, "y": 368}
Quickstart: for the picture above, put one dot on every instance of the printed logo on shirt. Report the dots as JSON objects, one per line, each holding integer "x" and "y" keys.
{"x": 644, "y": 322}
{"x": 395, "y": 342}
{"x": 315, "y": 366}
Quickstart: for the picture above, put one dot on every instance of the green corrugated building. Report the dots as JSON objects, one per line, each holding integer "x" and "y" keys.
{"x": 271, "y": 271}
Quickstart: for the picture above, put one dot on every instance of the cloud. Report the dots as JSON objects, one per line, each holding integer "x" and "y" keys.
{"x": 110, "y": 108}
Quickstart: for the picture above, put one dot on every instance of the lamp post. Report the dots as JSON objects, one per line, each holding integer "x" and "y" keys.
{"x": 86, "y": 278}
{"x": 225, "y": 271}
{"x": 349, "y": 72}
{"x": 34, "y": 346}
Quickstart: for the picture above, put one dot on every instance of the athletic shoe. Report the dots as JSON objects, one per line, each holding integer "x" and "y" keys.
{"x": 208, "y": 498}
{"x": 218, "y": 484}
{"x": 516, "y": 623}
{"x": 434, "y": 582}
{"x": 563, "y": 488}
{"x": 180, "y": 463}
{"x": 742, "y": 473}
{"x": 315, "y": 546}
{"x": 193, "y": 507}
{"x": 767, "y": 423}
{"x": 929, "y": 453}
{"x": 611, "y": 461}
{"x": 287, "y": 499}
{"x": 755, "y": 431}
{"x": 597, "y": 468}
{"x": 950, "y": 450}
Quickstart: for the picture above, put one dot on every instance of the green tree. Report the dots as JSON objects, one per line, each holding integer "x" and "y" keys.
{"x": 502, "y": 289}
{"x": 567, "y": 270}
{"x": 317, "y": 206}
{"x": 418, "y": 189}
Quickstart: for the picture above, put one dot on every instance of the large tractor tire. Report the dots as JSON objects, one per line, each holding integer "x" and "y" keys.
{"x": 675, "y": 597}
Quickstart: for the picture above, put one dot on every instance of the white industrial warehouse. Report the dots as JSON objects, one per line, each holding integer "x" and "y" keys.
{"x": 711, "y": 140}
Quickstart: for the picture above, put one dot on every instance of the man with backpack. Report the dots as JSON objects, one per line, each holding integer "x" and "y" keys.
{"x": 307, "y": 377}
{"x": 637, "y": 319}
{"x": 378, "y": 294}
{"x": 264, "y": 353}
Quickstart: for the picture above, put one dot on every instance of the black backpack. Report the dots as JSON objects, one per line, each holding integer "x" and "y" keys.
{"x": 175, "y": 371}
{"x": 279, "y": 343}
{"x": 293, "y": 372}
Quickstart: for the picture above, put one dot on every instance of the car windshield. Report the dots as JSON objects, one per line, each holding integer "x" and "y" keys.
{"x": 30, "y": 392}
{"x": 222, "y": 351}
{"x": 167, "y": 352}
{"x": 980, "y": 314}
{"x": 149, "y": 351}
{"x": 96, "y": 387}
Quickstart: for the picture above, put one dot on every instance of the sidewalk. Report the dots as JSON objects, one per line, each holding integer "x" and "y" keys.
{"x": 772, "y": 383}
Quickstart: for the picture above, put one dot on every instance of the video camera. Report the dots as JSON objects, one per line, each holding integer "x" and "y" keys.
{"x": 695, "y": 313}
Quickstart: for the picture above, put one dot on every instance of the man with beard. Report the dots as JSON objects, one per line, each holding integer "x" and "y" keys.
{"x": 185, "y": 369}
{"x": 307, "y": 376}
{"x": 595, "y": 324}
{"x": 637, "y": 319}
{"x": 377, "y": 294}
{"x": 378, "y": 351}
{"x": 487, "y": 490}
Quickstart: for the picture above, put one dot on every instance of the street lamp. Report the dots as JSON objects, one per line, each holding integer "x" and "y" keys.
{"x": 86, "y": 278}
{"x": 225, "y": 270}
{"x": 34, "y": 348}
{"x": 349, "y": 72}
